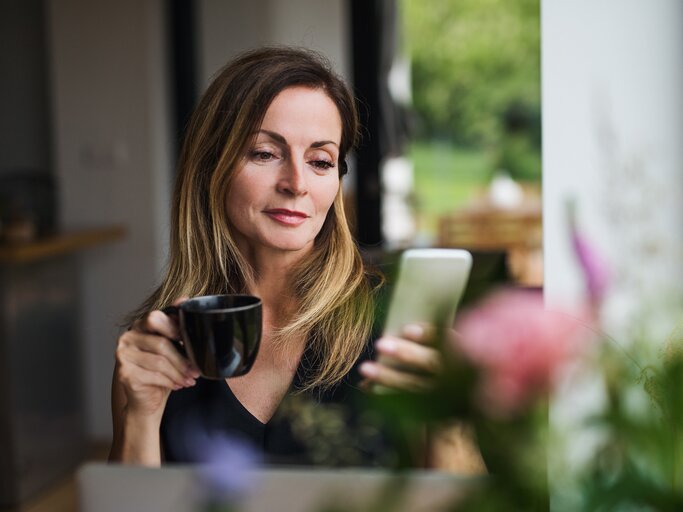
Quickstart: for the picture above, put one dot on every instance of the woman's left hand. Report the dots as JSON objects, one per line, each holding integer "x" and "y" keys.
{"x": 404, "y": 363}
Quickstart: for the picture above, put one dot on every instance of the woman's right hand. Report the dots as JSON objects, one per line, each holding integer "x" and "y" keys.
{"x": 149, "y": 367}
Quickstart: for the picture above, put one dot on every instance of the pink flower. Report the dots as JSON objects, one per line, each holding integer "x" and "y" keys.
{"x": 519, "y": 346}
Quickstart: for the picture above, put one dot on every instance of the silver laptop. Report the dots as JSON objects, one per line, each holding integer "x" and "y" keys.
{"x": 115, "y": 488}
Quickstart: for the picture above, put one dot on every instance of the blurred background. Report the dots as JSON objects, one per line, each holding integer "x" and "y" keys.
{"x": 94, "y": 96}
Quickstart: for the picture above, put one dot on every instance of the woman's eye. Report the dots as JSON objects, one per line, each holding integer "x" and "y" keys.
{"x": 262, "y": 156}
{"x": 322, "y": 164}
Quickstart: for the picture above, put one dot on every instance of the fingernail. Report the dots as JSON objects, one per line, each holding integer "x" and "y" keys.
{"x": 191, "y": 371}
{"x": 386, "y": 345}
{"x": 368, "y": 370}
{"x": 189, "y": 382}
{"x": 414, "y": 331}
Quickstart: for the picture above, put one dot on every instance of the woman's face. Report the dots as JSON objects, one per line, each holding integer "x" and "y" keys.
{"x": 287, "y": 182}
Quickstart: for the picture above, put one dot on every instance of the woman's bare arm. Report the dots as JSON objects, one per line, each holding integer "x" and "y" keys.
{"x": 148, "y": 368}
{"x": 453, "y": 447}
{"x": 135, "y": 440}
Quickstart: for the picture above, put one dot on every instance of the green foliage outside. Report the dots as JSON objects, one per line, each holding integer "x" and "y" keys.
{"x": 476, "y": 80}
{"x": 446, "y": 178}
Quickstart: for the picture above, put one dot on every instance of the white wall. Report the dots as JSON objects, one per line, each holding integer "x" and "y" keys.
{"x": 612, "y": 73}
{"x": 226, "y": 28}
{"x": 112, "y": 167}
{"x": 229, "y": 27}
{"x": 613, "y": 139}
{"x": 320, "y": 25}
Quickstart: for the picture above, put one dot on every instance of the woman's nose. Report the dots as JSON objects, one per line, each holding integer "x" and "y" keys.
{"x": 293, "y": 180}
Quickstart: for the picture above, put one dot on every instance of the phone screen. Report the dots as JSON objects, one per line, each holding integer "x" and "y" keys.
{"x": 429, "y": 286}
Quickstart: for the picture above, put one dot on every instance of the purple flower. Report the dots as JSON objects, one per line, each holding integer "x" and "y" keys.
{"x": 593, "y": 266}
{"x": 226, "y": 465}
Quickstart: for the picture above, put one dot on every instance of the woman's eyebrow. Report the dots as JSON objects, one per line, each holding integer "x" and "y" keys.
{"x": 280, "y": 139}
{"x": 322, "y": 143}
{"x": 275, "y": 136}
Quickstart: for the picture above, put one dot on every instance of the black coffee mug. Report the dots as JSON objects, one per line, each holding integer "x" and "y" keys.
{"x": 221, "y": 333}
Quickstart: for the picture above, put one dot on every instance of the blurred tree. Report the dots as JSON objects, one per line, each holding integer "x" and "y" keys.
{"x": 476, "y": 73}
{"x": 518, "y": 150}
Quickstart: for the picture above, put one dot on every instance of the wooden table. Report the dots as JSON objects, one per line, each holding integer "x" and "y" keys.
{"x": 517, "y": 232}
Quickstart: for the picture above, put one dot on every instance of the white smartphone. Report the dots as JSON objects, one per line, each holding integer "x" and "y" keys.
{"x": 429, "y": 286}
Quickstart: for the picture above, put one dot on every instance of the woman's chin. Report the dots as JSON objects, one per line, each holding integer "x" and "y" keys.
{"x": 291, "y": 246}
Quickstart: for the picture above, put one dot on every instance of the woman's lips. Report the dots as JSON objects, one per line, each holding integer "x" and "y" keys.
{"x": 286, "y": 217}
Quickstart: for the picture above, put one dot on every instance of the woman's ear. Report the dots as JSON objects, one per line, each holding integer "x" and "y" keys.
{"x": 343, "y": 168}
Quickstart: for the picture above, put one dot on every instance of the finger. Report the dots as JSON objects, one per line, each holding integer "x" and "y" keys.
{"x": 180, "y": 300}
{"x": 422, "y": 333}
{"x": 418, "y": 357}
{"x": 154, "y": 363}
{"x": 388, "y": 377}
{"x": 135, "y": 378}
{"x": 156, "y": 322}
{"x": 162, "y": 346}
{"x": 141, "y": 378}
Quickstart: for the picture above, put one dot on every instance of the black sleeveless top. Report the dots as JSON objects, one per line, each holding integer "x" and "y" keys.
{"x": 332, "y": 427}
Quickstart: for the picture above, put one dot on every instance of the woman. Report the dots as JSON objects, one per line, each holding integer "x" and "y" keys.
{"x": 258, "y": 209}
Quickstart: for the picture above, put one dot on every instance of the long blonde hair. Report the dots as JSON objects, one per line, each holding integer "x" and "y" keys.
{"x": 331, "y": 285}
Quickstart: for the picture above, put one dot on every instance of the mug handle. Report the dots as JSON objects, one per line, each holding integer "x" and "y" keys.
{"x": 174, "y": 313}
